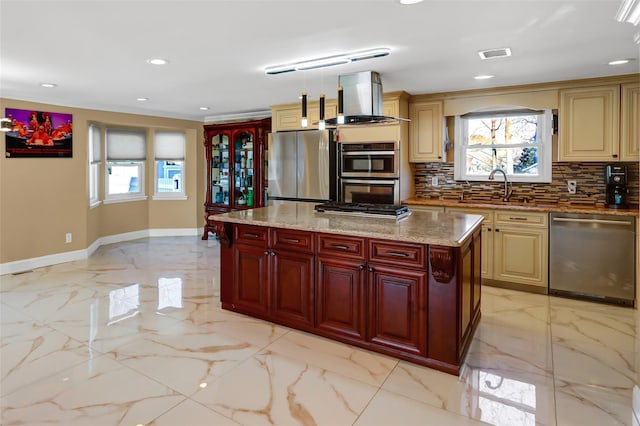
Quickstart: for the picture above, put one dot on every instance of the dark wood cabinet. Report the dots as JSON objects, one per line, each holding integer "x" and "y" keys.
{"x": 273, "y": 274}
{"x": 340, "y": 298}
{"x": 414, "y": 301}
{"x": 235, "y": 155}
{"x": 397, "y": 317}
{"x": 292, "y": 276}
{"x": 250, "y": 293}
{"x": 341, "y": 286}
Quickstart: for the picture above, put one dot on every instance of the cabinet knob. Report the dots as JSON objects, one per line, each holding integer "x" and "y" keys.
{"x": 361, "y": 267}
{"x": 273, "y": 253}
{"x": 266, "y": 252}
{"x": 497, "y": 230}
{"x": 370, "y": 269}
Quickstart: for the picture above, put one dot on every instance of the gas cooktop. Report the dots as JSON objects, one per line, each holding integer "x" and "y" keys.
{"x": 379, "y": 210}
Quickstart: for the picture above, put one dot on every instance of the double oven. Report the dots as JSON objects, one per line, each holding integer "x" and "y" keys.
{"x": 369, "y": 172}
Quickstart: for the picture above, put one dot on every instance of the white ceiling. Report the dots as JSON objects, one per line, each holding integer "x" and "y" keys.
{"x": 96, "y": 50}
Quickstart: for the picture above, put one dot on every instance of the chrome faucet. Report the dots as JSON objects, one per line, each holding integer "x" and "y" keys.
{"x": 507, "y": 191}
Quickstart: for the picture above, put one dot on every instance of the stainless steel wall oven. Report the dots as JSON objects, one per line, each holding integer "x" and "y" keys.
{"x": 369, "y": 159}
{"x": 369, "y": 172}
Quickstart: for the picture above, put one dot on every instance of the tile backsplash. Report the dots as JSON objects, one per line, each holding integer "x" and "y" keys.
{"x": 588, "y": 176}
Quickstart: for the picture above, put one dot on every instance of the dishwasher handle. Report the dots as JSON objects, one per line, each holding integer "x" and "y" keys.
{"x": 598, "y": 221}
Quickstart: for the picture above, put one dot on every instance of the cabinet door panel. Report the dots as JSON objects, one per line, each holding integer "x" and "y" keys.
{"x": 520, "y": 255}
{"x": 589, "y": 123}
{"x": 630, "y": 122}
{"x": 426, "y": 128}
{"x": 340, "y": 298}
{"x": 397, "y": 308}
{"x": 292, "y": 280}
{"x": 250, "y": 279}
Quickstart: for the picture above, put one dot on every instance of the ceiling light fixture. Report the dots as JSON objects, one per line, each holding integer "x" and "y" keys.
{"x": 619, "y": 62}
{"x": 142, "y": 99}
{"x": 303, "y": 121}
{"x": 321, "y": 123}
{"x": 483, "y": 77}
{"x": 157, "y": 61}
{"x": 328, "y": 61}
{"x": 629, "y": 11}
{"x": 502, "y": 52}
{"x": 204, "y": 108}
{"x": 406, "y": 2}
{"x": 48, "y": 85}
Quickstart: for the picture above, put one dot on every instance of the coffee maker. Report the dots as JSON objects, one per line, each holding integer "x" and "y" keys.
{"x": 615, "y": 178}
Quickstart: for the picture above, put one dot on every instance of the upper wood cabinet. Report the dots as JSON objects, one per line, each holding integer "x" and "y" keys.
{"x": 589, "y": 125}
{"x": 288, "y": 116}
{"x": 629, "y": 122}
{"x": 425, "y": 131}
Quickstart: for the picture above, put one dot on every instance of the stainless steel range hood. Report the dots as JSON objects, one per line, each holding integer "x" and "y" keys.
{"x": 362, "y": 95}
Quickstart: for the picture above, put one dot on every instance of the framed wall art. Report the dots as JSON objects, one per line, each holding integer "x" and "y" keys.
{"x": 38, "y": 134}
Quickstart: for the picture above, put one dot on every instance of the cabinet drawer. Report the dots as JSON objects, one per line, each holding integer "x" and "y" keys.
{"x": 398, "y": 254}
{"x": 249, "y": 234}
{"x": 341, "y": 246}
{"x": 522, "y": 218}
{"x": 288, "y": 239}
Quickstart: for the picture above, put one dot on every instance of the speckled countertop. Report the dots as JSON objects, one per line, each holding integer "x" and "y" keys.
{"x": 449, "y": 229}
{"x": 531, "y": 206}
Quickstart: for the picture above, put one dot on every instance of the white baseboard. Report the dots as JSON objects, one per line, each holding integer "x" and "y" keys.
{"x": 54, "y": 259}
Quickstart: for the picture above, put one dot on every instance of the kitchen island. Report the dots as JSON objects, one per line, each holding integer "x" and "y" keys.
{"x": 409, "y": 289}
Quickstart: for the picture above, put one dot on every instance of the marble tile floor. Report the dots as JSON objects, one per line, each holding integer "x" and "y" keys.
{"x": 134, "y": 335}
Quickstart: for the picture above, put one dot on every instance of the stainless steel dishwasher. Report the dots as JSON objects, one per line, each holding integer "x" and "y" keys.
{"x": 592, "y": 257}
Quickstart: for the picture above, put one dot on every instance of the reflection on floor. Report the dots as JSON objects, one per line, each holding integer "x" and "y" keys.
{"x": 135, "y": 336}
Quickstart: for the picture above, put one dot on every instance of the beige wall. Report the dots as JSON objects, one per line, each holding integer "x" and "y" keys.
{"x": 42, "y": 199}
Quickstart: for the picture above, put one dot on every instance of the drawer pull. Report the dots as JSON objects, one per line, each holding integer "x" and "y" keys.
{"x": 249, "y": 235}
{"x": 290, "y": 240}
{"x": 396, "y": 254}
{"x": 339, "y": 246}
{"x": 518, "y": 218}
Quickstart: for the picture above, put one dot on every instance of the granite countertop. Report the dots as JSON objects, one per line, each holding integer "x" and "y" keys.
{"x": 531, "y": 206}
{"x": 445, "y": 229}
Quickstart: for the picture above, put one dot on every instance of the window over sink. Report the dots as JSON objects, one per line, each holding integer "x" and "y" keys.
{"x": 516, "y": 140}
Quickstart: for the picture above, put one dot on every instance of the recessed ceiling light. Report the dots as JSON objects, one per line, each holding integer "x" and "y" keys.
{"x": 157, "y": 61}
{"x": 619, "y": 62}
{"x": 503, "y": 52}
{"x": 410, "y": 1}
{"x": 483, "y": 77}
{"x": 142, "y": 99}
{"x": 204, "y": 108}
{"x": 48, "y": 84}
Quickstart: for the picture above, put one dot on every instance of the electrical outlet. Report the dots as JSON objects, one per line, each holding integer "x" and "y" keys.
{"x": 68, "y": 237}
{"x": 434, "y": 181}
{"x": 571, "y": 186}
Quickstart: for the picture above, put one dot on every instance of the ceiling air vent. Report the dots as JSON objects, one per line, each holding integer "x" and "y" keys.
{"x": 495, "y": 53}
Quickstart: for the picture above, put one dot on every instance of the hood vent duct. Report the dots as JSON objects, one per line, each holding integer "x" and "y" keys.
{"x": 362, "y": 97}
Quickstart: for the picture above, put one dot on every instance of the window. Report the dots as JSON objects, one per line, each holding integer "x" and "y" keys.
{"x": 518, "y": 141}
{"x": 95, "y": 157}
{"x": 126, "y": 154}
{"x": 169, "y": 162}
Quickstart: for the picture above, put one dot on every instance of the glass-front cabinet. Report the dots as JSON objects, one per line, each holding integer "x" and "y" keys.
{"x": 235, "y": 154}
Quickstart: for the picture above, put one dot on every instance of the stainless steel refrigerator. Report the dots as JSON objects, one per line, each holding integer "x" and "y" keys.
{"x": 302, "y": 166}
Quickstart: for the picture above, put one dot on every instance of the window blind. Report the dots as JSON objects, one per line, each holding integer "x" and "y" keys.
{"x": 96, "y": 151}
{"x": 126, "y": 145}
{"x": 169, "y": 146}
